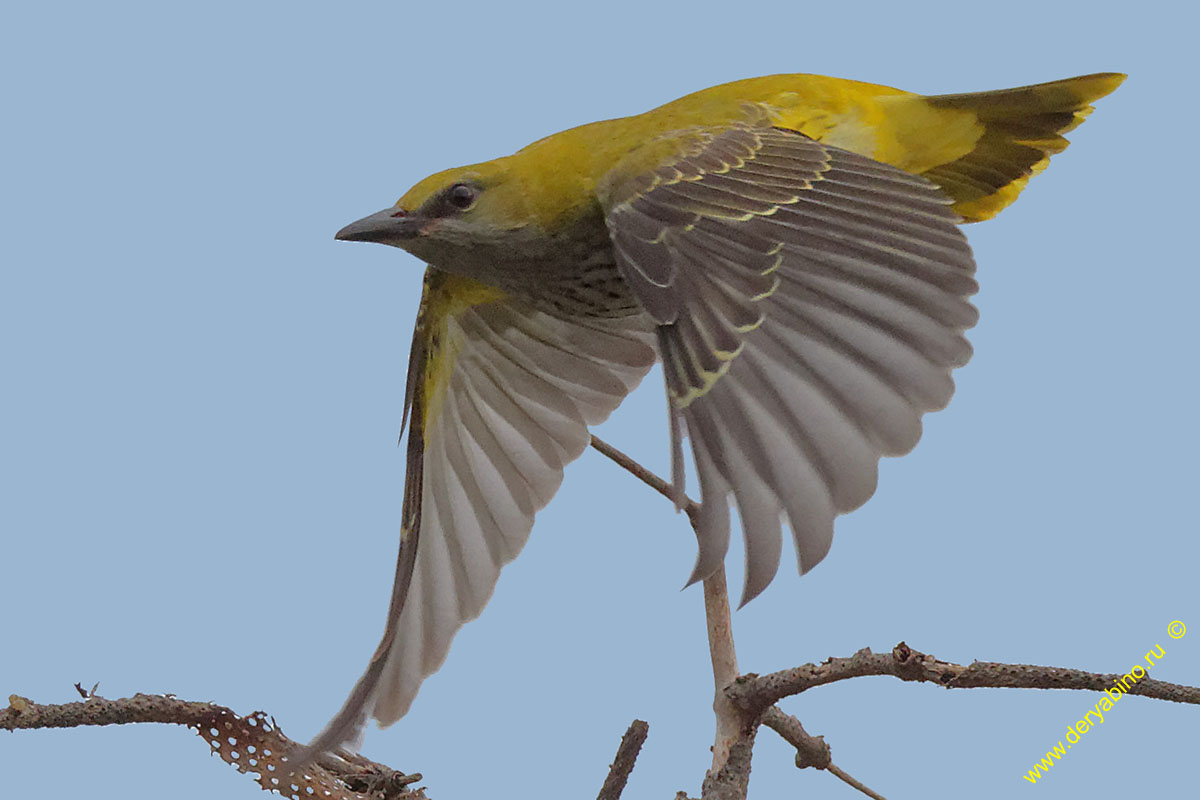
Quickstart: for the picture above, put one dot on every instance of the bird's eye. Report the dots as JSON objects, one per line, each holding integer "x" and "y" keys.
{"x": 462, "y": 196}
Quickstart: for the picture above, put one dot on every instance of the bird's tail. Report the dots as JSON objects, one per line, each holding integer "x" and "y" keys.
{"x": 1022, "y": 128}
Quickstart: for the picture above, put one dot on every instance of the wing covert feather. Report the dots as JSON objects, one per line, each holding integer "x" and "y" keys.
{"x": 811, "y": 303}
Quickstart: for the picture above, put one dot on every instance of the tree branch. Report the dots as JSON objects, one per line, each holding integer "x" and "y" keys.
{"x": 811, "y": 751}
{"x": 253, "y": 744}
{"x": 690, "y": 507}
{"x": 754, "y": 694}
{"x": 729, "y": 723}
{"x": 627, "y": 753}
{"x": 728, "y": 776}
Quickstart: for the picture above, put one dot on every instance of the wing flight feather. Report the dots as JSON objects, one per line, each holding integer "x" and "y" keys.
{"x": 810, "y": 303}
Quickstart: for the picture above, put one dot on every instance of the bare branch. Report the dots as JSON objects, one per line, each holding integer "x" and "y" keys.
{"x": 742, "y": 704}
{"x": 834, "y": 769}
{"x": 732, "y": 781}
{"x": 627, "y": 753}
{"x": 755, "y": 693}
{"x": 730, "y": 722}
{"x": 690, "y": 507}
{"x": 811, "y": 751}
{"x": 728, "y": 777}
{"x": 252, "y": 744}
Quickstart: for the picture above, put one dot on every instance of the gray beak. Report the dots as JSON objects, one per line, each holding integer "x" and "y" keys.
{"x": 390, "y": 226}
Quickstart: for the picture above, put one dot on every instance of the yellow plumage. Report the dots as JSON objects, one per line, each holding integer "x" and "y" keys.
{"x": 981, "y": 147}
{"x": 788, "y": 247}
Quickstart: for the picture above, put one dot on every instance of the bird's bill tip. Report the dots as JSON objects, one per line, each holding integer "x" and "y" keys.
{"x": 386, "y": 227}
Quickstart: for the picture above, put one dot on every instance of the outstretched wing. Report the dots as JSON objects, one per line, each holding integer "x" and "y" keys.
{"x": 500, "y": 396}
{"x": 811, "y": 304}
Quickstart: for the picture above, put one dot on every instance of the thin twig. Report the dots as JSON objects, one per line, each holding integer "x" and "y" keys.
{"x": 733, "y": 730}
{"x": 690, "y": 507}
{"x": 834, "y": 769}
{"x": 627, "y": 753}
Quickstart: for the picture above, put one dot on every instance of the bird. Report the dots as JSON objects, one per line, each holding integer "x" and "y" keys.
{"x": 788, "y": 247}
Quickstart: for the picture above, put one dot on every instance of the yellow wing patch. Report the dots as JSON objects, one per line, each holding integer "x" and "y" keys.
{"x": 443, "y": 296}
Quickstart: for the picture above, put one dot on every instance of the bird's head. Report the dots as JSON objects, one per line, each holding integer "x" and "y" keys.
{"x": 478, "y": 212}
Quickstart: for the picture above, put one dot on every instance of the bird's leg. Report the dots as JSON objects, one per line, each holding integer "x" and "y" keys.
{"x": 716, "y": 612}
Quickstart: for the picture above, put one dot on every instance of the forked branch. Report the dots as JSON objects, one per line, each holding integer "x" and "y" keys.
{"x": 749, "y": 701}
{"x": 254, "y": 744}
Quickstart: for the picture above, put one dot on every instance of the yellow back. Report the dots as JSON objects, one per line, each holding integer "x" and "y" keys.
{"x": 982, "y": 147}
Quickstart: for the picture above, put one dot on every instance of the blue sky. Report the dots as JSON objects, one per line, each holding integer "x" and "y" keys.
{"x": 201, "y": 486}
